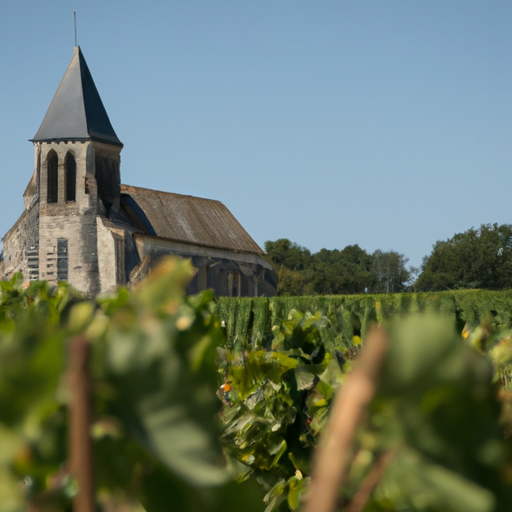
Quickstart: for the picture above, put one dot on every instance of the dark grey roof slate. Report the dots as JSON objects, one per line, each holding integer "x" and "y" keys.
{"x": 76, "y": 111}
{"x": 185, "y": 219}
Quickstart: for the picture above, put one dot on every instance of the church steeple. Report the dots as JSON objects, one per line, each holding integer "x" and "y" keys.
{"x": 76, "y": 112}
{"x": 76, "y": 183}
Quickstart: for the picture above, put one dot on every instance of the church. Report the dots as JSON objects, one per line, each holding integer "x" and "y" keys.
{"x": 81, "y": 225}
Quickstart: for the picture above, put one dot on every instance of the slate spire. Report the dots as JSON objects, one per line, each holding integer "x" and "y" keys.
{"x": 76, "y": 111}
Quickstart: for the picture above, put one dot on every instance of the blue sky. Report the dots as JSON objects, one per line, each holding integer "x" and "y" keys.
{"x": 385, "y": 124}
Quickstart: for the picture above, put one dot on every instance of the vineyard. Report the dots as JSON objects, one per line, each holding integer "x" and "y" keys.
{"x": 198, "y": 403}
{"x": 252, "y": 319}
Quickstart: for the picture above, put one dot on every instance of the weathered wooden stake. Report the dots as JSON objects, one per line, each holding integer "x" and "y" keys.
{"x": 81, "y": 462}
{"x": 331, "y": 459}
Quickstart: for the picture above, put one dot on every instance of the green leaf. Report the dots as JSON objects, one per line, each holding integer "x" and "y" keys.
{"x": 296, "y": 486}
{"x": 155, "y": 362}
{"x": 304, "y": 377}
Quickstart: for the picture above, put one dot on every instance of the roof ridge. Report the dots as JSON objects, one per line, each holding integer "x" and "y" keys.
{"x": 173, "y": 193}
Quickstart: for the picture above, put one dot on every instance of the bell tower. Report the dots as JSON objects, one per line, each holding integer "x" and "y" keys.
{"x": 76, "y": 179}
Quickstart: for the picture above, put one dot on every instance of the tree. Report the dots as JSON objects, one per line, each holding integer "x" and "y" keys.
{"x": 341, "y": 272}
{"x": 290, "y": 260}
{"x": 335, "y": 272}
{"x": 477, "y": 258}
{"x": 285, "y": 253}
{"x": 292, "y": 283}
{"x": 389, "y": 272}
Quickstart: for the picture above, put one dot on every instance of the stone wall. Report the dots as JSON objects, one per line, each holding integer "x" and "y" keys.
{"x": 20, "y": 243}
{"x": 111, "y": 256}
{"x": 82, "y": 259}
{"x": 228, "y": 273}
{"x": 68, "y": 230}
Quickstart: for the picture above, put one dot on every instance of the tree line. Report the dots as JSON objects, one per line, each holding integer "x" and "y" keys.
{"x": 478, "y": 258}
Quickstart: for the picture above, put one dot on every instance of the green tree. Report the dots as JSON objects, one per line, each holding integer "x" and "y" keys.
{"x": 335, "y": 272}
{"x": 288, "y": 254}
{"x": 389, "y": 272}
{"x": 290, "y": 260}
{"x": 477, "y": 258}
{"x": 293, "y": 283}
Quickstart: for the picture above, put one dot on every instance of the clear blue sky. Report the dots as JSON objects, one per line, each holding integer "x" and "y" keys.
{"x": 386, "y": 124}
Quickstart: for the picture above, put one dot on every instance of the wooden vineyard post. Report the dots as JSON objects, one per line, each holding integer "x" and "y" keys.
{"x": 81, "y": 458}
{"x": 331, "y": 459}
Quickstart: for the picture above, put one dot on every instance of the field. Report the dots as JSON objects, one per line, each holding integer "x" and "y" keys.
{"x": 196, "y": 403}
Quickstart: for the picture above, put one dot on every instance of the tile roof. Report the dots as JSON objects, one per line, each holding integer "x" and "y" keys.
{"x": 185, "y": 219}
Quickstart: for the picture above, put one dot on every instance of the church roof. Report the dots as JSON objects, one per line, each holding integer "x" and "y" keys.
{"x": 76, "y": 111}
{"x": 185, "y": 219}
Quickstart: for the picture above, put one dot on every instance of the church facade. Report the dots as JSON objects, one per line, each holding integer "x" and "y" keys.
{"x": 82, "y": 226}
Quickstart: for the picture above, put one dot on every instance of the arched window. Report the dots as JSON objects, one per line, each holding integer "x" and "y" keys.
{"x": 53, "y": 178}
{"x": 70, "y": 178}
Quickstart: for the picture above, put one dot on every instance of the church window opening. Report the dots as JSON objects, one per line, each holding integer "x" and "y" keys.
{"x": 119, "y": 255}
{"x": 53, "y": 177}
{"x": 234, "y": 288}
{"x": 62, "y": 259}
{"x": 33, "y": 262}
{"x": 105, "y": 175}
{"x": 70, "y": 178}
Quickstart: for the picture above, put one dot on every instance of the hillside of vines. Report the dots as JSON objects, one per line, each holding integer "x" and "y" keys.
{"x": 252, "y": 320}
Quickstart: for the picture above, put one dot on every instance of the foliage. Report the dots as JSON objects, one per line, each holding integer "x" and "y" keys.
{"x": 292, "y": 283}
{"x": 445, "y": 456}
{"x": 31, "y": 363}
{"x": 477, "y": 258}
{"x": 389, "y": 272}
{"x": 329, "y": 272}
{"x": 291, "y": 261}
{"x": 154, "y": 393}
{"x": 441, "y": 455}
{"x": 252, "y": 319}
{"x": 156, "y": 435}
{"x": 347, "y": 271}
{"x": 288, "y": 254}
{"x": 276, "y": 404}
